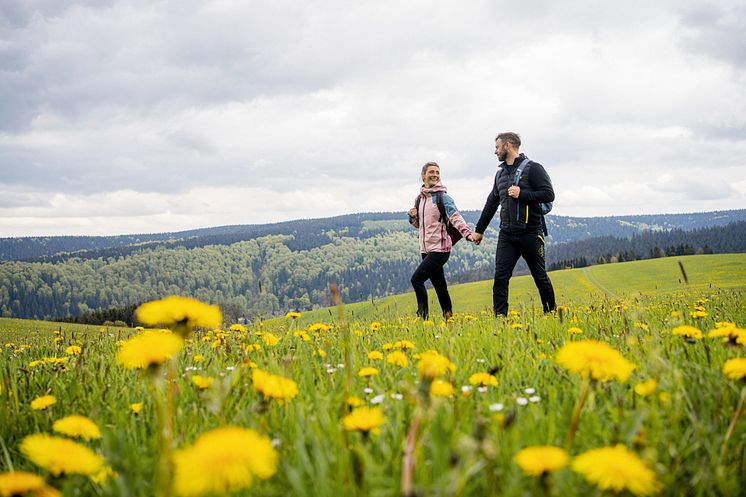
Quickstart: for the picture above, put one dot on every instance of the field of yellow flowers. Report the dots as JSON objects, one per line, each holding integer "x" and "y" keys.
{"x": 641, "y": 396}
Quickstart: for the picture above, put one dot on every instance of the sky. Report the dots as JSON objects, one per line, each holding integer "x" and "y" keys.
{"x": 130, "y": 116}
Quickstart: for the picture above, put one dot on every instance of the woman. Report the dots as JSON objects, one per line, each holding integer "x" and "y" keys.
{"x": 435, "y": 243}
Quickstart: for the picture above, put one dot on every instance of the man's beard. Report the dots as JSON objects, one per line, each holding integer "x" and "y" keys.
{"x": 502, "y": 156}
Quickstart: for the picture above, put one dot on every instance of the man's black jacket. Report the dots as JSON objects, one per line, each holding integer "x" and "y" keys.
{"x": 522, "y": 214}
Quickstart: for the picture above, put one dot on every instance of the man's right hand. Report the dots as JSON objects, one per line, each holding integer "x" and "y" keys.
{"x": 476, "y": 238}
{"x": 412, "y": 212}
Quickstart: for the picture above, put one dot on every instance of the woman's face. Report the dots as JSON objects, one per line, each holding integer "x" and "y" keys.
{"x": 431, "y": 176}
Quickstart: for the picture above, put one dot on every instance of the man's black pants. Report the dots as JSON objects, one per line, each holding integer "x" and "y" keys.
{"x": 431, "y": 268}
{"x": 510, "y": 248}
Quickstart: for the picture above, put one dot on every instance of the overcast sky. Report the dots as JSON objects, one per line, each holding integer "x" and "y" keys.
{"x": 151, "y": 116}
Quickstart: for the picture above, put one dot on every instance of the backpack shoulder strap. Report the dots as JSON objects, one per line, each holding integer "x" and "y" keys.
{"x": 521, "y": 167}
{"x": 442, "y": 208}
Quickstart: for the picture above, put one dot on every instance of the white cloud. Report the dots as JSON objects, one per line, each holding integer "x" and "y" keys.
{"x": 118, "y": 116}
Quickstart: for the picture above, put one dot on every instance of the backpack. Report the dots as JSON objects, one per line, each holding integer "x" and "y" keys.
{"x": 454, "y": 234}
{"x": 544, "y": 207}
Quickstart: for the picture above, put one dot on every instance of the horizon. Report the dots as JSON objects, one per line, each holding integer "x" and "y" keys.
{"x": 343, "y": 215}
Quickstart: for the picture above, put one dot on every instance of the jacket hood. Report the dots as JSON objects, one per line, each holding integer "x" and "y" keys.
{"x": 438, "y": 187}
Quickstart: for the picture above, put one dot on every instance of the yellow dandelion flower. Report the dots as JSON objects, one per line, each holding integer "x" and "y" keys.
{"x": 617, "y": 469}
{"x": 319, "y": 328}
{"x": 223, "y": 460}
{"x": 688, "y": 332}
{"x": 735, "y": 369}
{"x": 642, "y": 326}
{"x": 365, "y": 419}
{"x": 729, "y": 332}
{"x": 368, "y": 371}
{"x": 103, "y": 475}
{"x": 273, "y": 386}
{"x": 150, "y": 348}
{"x": 404, "y": 344}
{"x": 482, "y": 379}
{"x": 575, "y": 331}
{"x": 354, "y": 401}
{"x": 441, "y": 388}
{"x": 198, "y": 358}
{"x": 60, "y": 455}
{"x": 675, "y": 314}
{"x": 664, "y": 397}
{"x": 387, "y": 346}
{"x": 594, "y": 359}
{"x": 433, "y": 364}
{"x": 41, "y": 403}
{"x": 37, "y": 363}
{"x": 293, "y": 315}
{"x": 16, "y": 483}
{"x": 375, "y": 355}
{"x": 375, "y": 326}
{"x": 73, "y": 350}
{"x": 321, "y": 353}
{"x": 697, "y": 314}
{"x": 77, "y": 427}
{"x": 179, "y": 311}
{"x": 647, "y": 387}
{"x": 253, "y": 347}
{"x": 428, "y": 322}
{"x": 136, "y": 408}
{"x": 302, "y": 335}
{"x": 516, "y": 326}
{"x": 270, "y": 340}
{"x": 202, "y": 382}
{"x": 538, "y": 460}
{"x": 397, "y": 358}
{"x": 238, "y": 327}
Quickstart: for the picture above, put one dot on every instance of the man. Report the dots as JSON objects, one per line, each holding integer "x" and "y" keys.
{"x": 521, "y": 221}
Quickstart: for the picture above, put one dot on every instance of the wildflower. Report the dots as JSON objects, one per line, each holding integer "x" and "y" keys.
{"x": 37, "y": 363}
{"x": 375, "y": 355}
{"x": 538, "y": 460}
{"x": 735, "y": 369}
{"x": 73, "y": 350}
{"x": 319, "y": 328}
{"x": 642, "y": 326}
{"x": 273, "y": 386}
{"x": 375, "y": 326}
{"x": 150, "y": 348}
{"x": 618, "y": 469}
{"x": 103, "y": 475}
{"x": 302, "y": 335}
{"x": 60, "y": 455}
{"x": 482, "y": 379}
{"x": 441, "y": 388}
{"x": 433, "y": 364}
{"x": 354, "y": 401}
{"x": 270, "y": 340}
{"x": 428, "y": 322}
{"x": 179, "y": 311}
{"x": 368, "y": 371}
{"x": 41, "y": 403}
{"x": 516, "y": 326}
{"x": 321, "y": 353}
{"x": 404, "y": 344}
{"x": 136, "y": 408}
{"x": 198, "y": 358}
{"x": 575, "y": 331}
{"x": 22, "y": 483}
{"x": 729, "y": 332}
{"x": 202, "y": 382}
{"x": 238, "y": 327}
{"x": 77, "y": 427}
{"x": 687, "y": 332}
{"x": 397, "y": 358}
{"x": 365, "y": 419}
{"x": 223, "y": 460}
{"x": 646, "y": 388}
{"x": 293, "y": 315}
{"x": 253, "y": 347}
{"x": 594, "y": 359}
{"x": 387, "y": 346}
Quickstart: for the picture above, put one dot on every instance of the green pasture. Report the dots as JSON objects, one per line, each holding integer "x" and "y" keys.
{"x": 572, "y": 286}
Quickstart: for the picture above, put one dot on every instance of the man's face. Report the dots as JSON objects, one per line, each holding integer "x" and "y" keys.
{"x": 501, "y": 149}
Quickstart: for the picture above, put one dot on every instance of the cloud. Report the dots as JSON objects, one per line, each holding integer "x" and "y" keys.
{"x": 104, "y": 101}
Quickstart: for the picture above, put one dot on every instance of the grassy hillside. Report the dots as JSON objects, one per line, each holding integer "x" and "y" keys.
{"x": 647, "y": 277}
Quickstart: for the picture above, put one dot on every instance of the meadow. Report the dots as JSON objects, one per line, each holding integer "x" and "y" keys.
{"x": 635, "y": 386}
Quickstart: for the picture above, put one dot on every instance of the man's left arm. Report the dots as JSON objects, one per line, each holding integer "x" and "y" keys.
{"x": 541, "y": 186}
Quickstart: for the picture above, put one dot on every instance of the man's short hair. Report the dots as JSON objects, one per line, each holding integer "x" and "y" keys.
{"x": 510, "y": 137}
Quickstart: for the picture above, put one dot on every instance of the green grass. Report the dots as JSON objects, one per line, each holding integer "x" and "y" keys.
{"x": 647, "y": 277}
{"x": 465, "y": 444}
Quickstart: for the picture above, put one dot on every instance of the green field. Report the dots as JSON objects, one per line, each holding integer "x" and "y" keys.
{"x": 647, "y": 277}
{"x": 653, "y": 406}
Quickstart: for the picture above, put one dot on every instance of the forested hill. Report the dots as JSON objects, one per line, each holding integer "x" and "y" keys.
{"x": 311, "y": 233}
{"x": 269, "y": 275}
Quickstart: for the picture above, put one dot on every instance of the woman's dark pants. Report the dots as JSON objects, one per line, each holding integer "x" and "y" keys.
{"x": 431, "y": 268}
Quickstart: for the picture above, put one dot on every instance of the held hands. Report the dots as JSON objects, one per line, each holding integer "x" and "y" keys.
{"x": 514, "y": 191}
{"x": 412, "y": 212}
{"x": 475, "y": 237}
